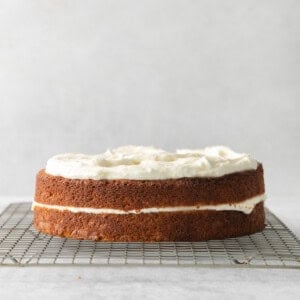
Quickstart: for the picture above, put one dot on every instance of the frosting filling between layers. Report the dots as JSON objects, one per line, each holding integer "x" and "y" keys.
{"x": 245, "y": 206}
{"x": 148, "y": 163}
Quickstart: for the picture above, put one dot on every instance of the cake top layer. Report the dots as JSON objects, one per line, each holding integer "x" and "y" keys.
{"x": 149, "y": 163}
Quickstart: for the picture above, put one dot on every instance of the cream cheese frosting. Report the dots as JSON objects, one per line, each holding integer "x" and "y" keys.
{"x": 146, "y": 163}
{"x": 245, "y": 206}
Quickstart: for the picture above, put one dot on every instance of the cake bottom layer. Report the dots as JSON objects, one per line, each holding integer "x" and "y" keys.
{"x": 152, "y": 227}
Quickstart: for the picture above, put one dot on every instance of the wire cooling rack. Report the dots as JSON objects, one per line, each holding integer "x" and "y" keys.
{"x": 22, "y": 245}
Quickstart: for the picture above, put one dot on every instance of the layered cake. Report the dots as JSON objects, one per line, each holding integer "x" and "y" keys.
{"x": 146, "y": 194}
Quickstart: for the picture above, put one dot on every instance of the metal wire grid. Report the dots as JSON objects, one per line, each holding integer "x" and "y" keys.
{"x": 21, "y": 244}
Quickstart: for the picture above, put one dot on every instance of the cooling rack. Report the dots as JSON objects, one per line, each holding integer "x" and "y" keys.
{"x": 22, "y": 245}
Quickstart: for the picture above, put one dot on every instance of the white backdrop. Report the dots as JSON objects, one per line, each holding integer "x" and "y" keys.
{"x": 83, "y": 76}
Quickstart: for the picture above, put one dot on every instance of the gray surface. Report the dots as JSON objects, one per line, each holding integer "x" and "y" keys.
{"x": 86, "y": 75}
{"x": 153, "y": 283}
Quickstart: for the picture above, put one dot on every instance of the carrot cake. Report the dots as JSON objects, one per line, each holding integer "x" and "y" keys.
{"x": 136, "y": 193}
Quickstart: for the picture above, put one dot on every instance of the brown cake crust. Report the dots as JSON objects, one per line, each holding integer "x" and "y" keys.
{"x": 153, "y": 227}
{"x": 137, "y": 194}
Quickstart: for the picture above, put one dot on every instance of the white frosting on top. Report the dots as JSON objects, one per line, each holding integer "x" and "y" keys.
{"x": 145, "y": 163}
{"x": 245, "y": 206}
